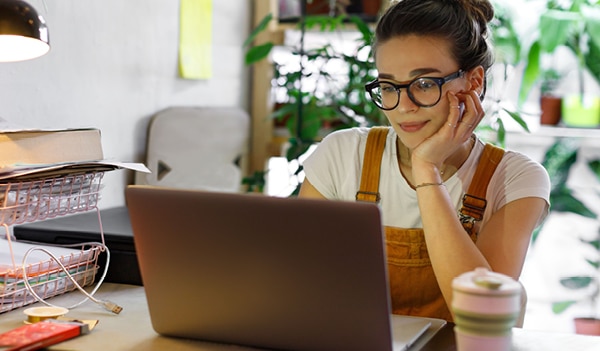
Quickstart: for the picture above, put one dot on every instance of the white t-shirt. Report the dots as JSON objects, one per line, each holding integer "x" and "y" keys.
{"x": 334, "y": 169}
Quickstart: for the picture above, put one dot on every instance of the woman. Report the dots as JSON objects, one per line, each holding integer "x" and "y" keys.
{"x": 432, "y": 59}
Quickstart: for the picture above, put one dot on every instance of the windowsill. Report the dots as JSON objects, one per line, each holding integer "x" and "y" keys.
{"x": 560, "y": 131}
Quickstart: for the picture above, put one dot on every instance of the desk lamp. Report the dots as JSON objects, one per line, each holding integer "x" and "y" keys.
{"x": 23, "y": 33}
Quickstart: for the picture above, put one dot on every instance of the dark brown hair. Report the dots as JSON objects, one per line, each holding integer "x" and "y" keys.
{"x": 462, "y": 22}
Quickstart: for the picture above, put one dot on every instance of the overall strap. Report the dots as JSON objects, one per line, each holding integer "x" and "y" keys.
{"x": 369, "y": 179}
{"x": 474, "y": 202}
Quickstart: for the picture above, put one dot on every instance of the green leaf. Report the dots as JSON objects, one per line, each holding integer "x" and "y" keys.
{"x": 257, "y": 53}
{"x": 363, "y": 28}
{"x": 559, "y": 159}
{"x": 259, "y": 28}
{"x": 592, "y": 60}
{"x": 311, "y": 120}
{"x": 556, "y": 27}
{"x": 595, "y": 167}
{"x": 284, "y": 111}
{"x": 297, "y": 149}
{"x": 255, "y": 182}
{"x": 531, "y": 73}
{"x": 595, "y": 264}
{"x": 501, "y": 133}
{"x": 325, "y": 23}
{"x": 560, "y": 307}
{"x": 518, "y": 119}
{"x": 591, "y": 15}
{"x": 565, "y": 202}
{"x": 576, "y": 283}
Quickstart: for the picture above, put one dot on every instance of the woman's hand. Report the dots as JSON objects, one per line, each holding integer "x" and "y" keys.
{"x": 459, "y": 127}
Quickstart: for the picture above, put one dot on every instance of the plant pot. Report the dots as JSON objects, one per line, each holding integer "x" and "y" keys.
{"x": 368, "y": 9}
{"x": 587, "y": 326}
{"x": 317, "y": 7}
{"x": 365, "y": 8}
{"x": 551, "y": 107}
{"x": 580, "y": 111}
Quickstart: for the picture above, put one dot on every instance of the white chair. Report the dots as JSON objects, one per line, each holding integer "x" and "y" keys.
{"x": 197, "y": 148}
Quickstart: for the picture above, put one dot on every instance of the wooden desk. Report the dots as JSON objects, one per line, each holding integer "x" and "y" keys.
{"x": 132, "y": 330}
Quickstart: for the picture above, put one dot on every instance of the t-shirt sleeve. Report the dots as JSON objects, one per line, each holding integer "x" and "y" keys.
{"x": 334, "y": 159}
{"x": 522, "y": 177}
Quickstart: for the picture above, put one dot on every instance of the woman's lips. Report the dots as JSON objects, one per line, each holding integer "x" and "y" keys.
{"x": 411, "y": 127}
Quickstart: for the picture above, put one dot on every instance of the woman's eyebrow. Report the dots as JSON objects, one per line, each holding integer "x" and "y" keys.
{"x": 414, "y": 73}
{"x": 421, "y": 71}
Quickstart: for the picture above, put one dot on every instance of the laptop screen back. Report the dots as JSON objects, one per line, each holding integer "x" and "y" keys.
{"x": 282, "y": 273}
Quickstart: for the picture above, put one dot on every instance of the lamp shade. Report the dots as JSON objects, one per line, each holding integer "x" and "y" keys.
{"x": 23, "y": 33}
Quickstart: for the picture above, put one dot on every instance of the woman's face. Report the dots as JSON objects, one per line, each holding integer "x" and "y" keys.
{"x": 402, "y": 59}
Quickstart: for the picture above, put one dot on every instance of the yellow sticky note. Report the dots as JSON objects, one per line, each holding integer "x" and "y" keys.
{"x": 195, "y": 39}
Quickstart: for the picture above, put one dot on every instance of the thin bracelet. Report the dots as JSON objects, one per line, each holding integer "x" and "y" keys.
{"x": 427, "y": 184}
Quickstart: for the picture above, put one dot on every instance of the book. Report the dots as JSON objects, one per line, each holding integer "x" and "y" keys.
{"x": 42, "y": 334}
{"x": 38, "y": 146}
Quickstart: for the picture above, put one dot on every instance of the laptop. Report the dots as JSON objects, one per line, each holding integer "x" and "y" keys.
{"x": 267, "y": 272}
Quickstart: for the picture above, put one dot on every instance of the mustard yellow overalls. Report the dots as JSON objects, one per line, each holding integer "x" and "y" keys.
{"x": 413, "y": 287}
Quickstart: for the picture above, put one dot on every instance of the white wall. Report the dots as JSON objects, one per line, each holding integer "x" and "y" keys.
{"x": 112, "y": 65}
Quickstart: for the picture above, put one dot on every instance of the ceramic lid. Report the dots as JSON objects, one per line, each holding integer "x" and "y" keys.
{"x": 484, "y": 281}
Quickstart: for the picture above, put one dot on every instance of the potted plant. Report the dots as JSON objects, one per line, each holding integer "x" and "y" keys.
{"x": 328, "y": 102}
{"x": 574, "y": 25}
{"x": 559, "y": 160}
{"x": 550, "y": 101}
{"x": 366, "y": 9}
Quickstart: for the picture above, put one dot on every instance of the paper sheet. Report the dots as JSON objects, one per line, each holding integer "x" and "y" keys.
{"x": 195, "y": 39}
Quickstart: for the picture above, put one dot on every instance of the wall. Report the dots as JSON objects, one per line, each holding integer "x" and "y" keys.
{"x": 112, "y": 65}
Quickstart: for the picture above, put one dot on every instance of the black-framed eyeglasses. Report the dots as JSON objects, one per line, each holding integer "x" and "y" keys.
{"x": 423, "y": 91}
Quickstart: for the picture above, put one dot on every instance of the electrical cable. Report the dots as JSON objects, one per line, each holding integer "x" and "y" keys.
{"x": 108, "y": 305}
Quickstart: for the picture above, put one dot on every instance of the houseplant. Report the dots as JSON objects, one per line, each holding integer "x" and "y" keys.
{"x": 574, "y": 25}
{"x": 327, "y": 102}
{"x": 559, "y": 160}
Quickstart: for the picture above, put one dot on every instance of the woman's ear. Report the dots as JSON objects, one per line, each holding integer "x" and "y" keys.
{"x": 476, "y": 80}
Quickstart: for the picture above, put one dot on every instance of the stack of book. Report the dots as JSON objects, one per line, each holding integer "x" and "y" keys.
{"x": 31, "y": 153}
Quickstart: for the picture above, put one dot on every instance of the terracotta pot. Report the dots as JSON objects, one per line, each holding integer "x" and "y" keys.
{"x": 359, "y": 7}
{"x": 587, "y": 326}
{"x": 317, "y": 7}
{"x": 371, "y": 7}
{"x": 551, "y": 107}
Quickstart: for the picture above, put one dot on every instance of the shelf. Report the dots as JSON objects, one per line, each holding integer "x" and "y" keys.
{"x": 545, "y": 135}
{"x": 568, "y": 132}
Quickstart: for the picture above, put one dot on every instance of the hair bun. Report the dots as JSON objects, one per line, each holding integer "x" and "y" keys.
{"x": 482, "y": 10}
